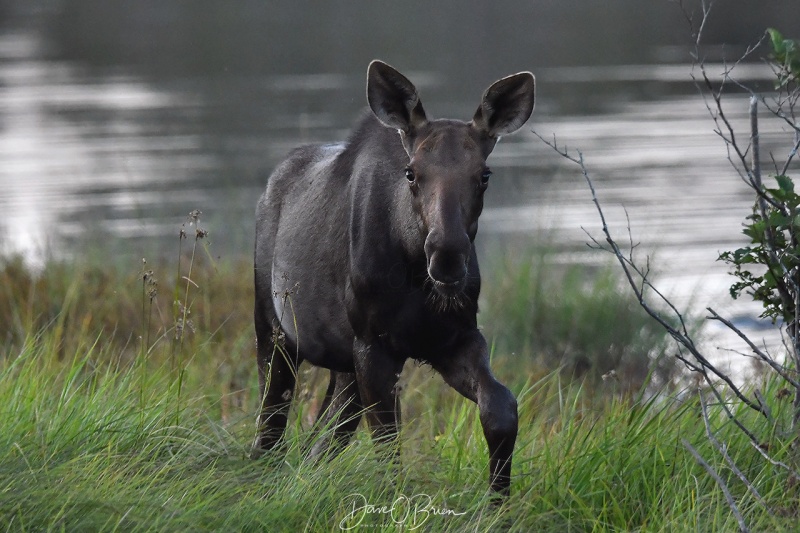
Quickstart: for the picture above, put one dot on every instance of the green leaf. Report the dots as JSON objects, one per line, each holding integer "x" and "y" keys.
{"x": 785, "y": 183}
{"x": 786, "y": 54}
{"x": 778, "y": 220}
{"x": 755, "y": 231}
{"x": 777, "y": 41}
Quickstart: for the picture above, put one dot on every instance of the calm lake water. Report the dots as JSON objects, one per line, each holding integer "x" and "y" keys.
{"x": 111, "y": 133}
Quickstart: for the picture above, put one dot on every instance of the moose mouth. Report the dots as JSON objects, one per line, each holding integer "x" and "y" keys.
{"x": 447, "y": 271}
{"x": 447, "y": 296}
{"x": 449, "y": 289}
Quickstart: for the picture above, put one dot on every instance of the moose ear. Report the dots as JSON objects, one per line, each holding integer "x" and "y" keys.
{"x": 393, "y": 98}
{"x": 506, "y": 105}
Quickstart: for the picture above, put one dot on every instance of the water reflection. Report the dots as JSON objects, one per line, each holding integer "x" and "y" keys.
{"x": 118, "y": 118}
{"x": 72, "y": 143}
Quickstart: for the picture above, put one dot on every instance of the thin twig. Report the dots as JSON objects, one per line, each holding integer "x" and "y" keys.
{"x": 760, "y": 449}
{"x": 631, "y": 271}
{"x": 731, "y": 502}
{"x": 723, "y": 450}
{"x": 764, "y": 405}
{"x": 756, "y": 350}
{"x": 756, "y": 151}
{"x": 792, "y": 154}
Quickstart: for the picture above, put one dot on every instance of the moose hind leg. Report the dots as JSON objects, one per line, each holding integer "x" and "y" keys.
{"x": 470, "y": 375}
{"x": 277, "y": 375}
{"x": 339, "y": 415}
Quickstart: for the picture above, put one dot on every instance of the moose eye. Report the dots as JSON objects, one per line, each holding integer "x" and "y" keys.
{"x": 485, "y": 176}
{"x": 410, "y": 175}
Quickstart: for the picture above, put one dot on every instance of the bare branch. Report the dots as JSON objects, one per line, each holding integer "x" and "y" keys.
{"x": 774, "y": 462}
{"x": 756, "y": 350}
{"x": 764, "y": 405}
{"x": 731, "y": 502}
{"x": 632, "y": 272}
{"x": 720, "y": 115}
{"x": 723, "y": 450}
{"x": 792, "y": 154}
{"x": 756, "y": 152}
{"x": 732, "y": 417}
{"x": 780, "y": 277}
{"x": 775, "y": 246}
{"x": 697, "y": 34}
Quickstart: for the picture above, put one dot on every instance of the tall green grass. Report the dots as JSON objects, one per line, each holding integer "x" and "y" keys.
{"x": 81, "y": 451}
{"x": 579, "y": 318}
{"x": 96, "y": 434}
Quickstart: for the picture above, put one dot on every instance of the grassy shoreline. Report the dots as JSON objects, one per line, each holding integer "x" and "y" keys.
{"x": 94, "y": 449}
{"x": 98, "y": 435}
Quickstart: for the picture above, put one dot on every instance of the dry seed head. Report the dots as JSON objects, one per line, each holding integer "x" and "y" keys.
{"x": 181, "y": 326}
{"x": 181, "y": 309}
{"x": 610, "y": 375}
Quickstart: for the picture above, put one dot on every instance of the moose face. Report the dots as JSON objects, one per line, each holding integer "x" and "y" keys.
{"x": 447, "y": 172}
{"x": 447, "y": 176}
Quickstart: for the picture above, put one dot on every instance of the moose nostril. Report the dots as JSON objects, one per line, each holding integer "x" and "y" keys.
{"x": 447, "y": 268}
{"x": 448, "y": 254}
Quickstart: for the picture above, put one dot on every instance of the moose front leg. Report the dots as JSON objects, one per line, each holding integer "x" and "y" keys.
{"x": 377, "y": 373}
{"x": 468, "y": 372}
{"x": 339, "y": 414}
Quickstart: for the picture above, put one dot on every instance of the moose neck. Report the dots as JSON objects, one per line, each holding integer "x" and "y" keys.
{"x": 384, "y": 227}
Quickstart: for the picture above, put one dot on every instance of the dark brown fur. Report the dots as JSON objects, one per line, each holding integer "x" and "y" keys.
{"x": 365, "y": 258}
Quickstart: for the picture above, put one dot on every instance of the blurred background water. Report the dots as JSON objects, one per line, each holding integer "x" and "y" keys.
{"x": 117, "y": 118}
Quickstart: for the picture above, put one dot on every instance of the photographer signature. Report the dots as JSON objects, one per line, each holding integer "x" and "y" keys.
{"x": 412, "y": 511}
